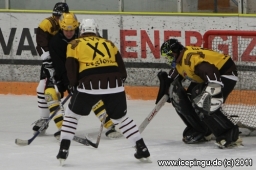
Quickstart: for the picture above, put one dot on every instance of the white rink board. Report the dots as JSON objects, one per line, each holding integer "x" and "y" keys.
{"x": 138, "y": 37}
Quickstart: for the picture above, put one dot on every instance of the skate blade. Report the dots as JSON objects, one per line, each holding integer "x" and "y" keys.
{"x": 40, "y": 134}
{"x": 145, "y": 160}
{"x": 114, "y": 135}
{"x": 57, "y": 137}
{"x": 62, "y": 161}
{"x": 238, "y": 143}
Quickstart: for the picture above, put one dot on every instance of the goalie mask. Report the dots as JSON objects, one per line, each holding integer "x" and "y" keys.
{"x": 168, "y": 48}
{"x": 59, "y": 8}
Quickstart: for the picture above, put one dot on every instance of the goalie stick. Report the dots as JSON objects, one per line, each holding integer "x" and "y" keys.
{"x": 86, "y": 141}
{"x": 162, "y": 76}
{"x": 27, "y": 142}
{"x": 162, "y": 97}
{"x": 152, "y": 114}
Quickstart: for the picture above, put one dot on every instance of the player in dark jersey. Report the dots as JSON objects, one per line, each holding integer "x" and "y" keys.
{"x": 45, "y": 31}
{"x": 96, "y": 71}
{"x": 213, "y": 76}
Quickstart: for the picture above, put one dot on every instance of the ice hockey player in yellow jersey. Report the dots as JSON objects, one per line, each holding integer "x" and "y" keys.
{"x": 96, "y": 72}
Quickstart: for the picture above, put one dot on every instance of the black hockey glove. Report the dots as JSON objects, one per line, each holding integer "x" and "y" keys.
{"x": 48, "y": 68}
{"x": 71, "y": 89}
{"x": 164, "y": 86}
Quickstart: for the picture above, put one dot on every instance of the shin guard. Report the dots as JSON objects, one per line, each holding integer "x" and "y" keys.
{"x": 53, "y": 104}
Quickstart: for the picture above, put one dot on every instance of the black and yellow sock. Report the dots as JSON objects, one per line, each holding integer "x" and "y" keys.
{"x": 99, "y": 111}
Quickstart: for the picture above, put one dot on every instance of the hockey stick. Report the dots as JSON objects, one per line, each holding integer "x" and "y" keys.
{"x": 75, "y": 138}
{"x": 27, "y": 142}
{"x": 162, "y": 98}
{"x": 152, "y": 114}
{"x": 86, "y": 141}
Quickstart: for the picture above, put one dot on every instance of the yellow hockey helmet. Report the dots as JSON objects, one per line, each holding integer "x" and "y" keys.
{"x": 68, "y": 21}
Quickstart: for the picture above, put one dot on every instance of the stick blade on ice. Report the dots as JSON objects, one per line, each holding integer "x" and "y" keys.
{"x": 21, "y": 142}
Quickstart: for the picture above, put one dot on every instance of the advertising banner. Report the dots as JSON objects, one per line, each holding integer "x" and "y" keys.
{"x": 139, "y": 39}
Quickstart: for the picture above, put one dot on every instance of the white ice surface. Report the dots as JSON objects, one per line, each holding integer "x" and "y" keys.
{"x": 162, "y": 136}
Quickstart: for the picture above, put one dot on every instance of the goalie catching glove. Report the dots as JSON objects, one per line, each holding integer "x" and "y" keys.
{"x": 210, "y": 99}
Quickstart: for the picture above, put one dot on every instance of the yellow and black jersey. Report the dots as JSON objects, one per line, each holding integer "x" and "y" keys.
{"x": 95, "y": 63}
{"x": 199, "y": 65}
{"x": 45, "y": 31}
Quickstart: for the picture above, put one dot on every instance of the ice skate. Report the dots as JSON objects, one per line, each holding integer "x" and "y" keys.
{"x": 39, "y": 123}
{"x": 57, "y": 135}
{"x": 112, "y": 133}
{"x": 223, "y": 143}
{"x": 64, "y": 150}
{"x": 142, "y": 152}
{"x": 190, "y": 136}
{"x": 196, "y": 138}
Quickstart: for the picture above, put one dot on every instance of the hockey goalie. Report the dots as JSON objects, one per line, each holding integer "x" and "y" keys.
{"x": 213, "y": 76}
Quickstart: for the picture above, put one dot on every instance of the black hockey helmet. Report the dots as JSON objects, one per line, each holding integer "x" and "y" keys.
{"x": 169, "y": 47}
{"x": 59, "y": 8}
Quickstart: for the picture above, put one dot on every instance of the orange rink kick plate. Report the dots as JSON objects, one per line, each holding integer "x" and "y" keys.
{"x": 132, "y": 92}
{"x": 29, "y": 88}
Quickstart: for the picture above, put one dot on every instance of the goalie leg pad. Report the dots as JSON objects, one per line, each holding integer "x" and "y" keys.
{"x": 185, "y": 110}
{"x": 208, "y": 100}
{"x": 229, "y": 137}
{"x": 218, "y": 122}
{"x": 224, "y": 130}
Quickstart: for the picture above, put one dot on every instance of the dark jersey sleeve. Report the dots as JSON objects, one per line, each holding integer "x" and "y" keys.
{"x": 207, "y": 71}
{"x": 42, "y": 40}
{"x": 72, "y": 66}
{"x": 57, "y": 48}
